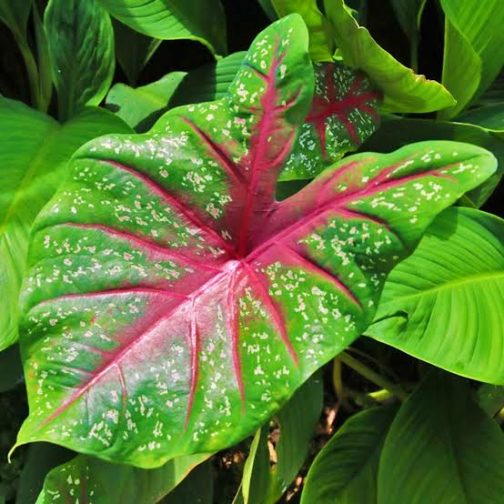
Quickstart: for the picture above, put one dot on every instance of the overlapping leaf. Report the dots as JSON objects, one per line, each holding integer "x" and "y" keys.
{"x": 172, "y": 304}
{"x": 344, "y": 113}
{"x": 34, "y": 151}
{"x": 450, "y": 294}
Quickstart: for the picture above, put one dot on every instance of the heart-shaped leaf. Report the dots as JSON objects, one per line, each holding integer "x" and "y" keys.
{"x": 172, "y": 304}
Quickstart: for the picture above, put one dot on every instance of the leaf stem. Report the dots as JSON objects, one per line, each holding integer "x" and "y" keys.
{"x": 372, "y": 376}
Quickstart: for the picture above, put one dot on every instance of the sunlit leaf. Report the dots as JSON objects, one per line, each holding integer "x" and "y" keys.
{"x": 404, "y": 91}
{"x": 176, "y": 303}
{"x": 201, "y": 20}
{"x": 36, "y": 150}
{"x": 449, "y": 294}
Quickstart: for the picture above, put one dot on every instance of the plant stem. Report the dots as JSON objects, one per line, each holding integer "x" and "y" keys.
{"x": 372, "y": 376}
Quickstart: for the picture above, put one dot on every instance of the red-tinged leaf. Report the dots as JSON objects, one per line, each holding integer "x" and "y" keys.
{"x": 172, "y": 304}
{"x": 343, "y": 114}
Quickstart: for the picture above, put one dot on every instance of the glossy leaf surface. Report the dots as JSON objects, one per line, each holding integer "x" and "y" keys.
{"x": 345, "y": 470}
{"x": 81, "y": 45}
{"x": 490, "y": 117}
{"x": 441, "y": 447}
{"x": 87, "y": 479}
{"x": 172, "y": 304}
{"x": 450, "y": 293}
{"x": 474, "y": 39}
{"x": 343, "y": 114}
{"x": 36, "y": 149}
{"x": 404, "y": 91}
{"x": 201, "y": 20}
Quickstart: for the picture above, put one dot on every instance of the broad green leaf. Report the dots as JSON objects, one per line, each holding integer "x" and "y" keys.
{"x": 345, "y": 470}
{"x": 133, "y": 50}
{"x": 474, "y": 40}
{"x": 140, "y": 107}
{"x": 321, "y": 43}
{"x": 36, "y": 149}
{"x": 409, "y": 14}
{"x": 441, "y": 447}
{"x": 193, "y": 303}
{"x": 404, "y": 91}
{"x": 87, "y": 479}
{"x": 201, "y": 20}
{"x": 11, "y": 369}
{"x": 343, "y": 114}
{"x": 459, "y": 55}
{"x": 14, "y": 14}
{"x": 450, "y": 294}
{"x": 395, "y": 132}
{"x": 296, "y": 420}
{"x": 490, "y": 117}
{"x": 81, "y": 45}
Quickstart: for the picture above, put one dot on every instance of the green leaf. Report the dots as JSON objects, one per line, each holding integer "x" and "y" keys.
{"x": 167, "y": 284}
{"x": 36, "y": 149}
{"x": 396, "y": 132}
{"x": 449, "y": 294}
{"x": 201, "y": 20}
{"x": 141, "y": 107}
{"x": 81, "y": 45}
{"x": 85, "y": 478}
{"x": 474, "y": 39}
{"x": 490, "y": 117}
{"x": 14, "y": 14}
{"x": 404, "y": 91}
{"x": 345, "y": 470}
{"x": 133, "y": 50}
{"x": 441, "y": 447}
{"x": 321, "y": 43}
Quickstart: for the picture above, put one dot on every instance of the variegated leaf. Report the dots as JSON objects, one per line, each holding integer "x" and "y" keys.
{"x": 172, "y": 304}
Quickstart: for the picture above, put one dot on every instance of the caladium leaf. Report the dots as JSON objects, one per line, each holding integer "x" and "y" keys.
{"x": 172, "y": 304}
{"x": 343, "y": 114}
